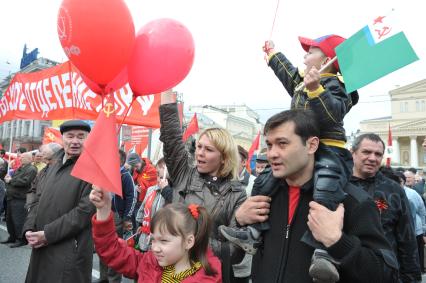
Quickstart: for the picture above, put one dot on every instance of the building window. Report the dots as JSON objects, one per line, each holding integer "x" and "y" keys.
{"x": 417, "y": 106}
{"x": 403, "y": 107}
{"x": 423, "y": 105}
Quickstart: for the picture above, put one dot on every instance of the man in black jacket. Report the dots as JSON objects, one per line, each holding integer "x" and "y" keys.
{"x": 17, "y": 188}
{"x": 391, "y": 201}
{"x": 352, "y": 234}
{"x": 58, "y": 224}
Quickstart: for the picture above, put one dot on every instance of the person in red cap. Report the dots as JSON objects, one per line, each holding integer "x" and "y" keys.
{"x": 319, "y": 88}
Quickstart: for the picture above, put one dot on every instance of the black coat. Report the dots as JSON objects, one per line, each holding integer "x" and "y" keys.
{"x": 63, "y": 211}
{"x": 395, "y": 216}
{"x": 21, "y": 181}
{"x": 363, "y": 251}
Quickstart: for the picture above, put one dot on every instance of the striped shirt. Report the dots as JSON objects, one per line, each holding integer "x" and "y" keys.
{"x": 169, "y": 275}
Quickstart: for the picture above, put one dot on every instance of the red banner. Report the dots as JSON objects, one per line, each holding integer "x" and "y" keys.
{"x": 138, "y": 140}
{"x": 59, "y": 93}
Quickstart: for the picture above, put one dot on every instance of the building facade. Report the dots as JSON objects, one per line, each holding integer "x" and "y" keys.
{"x": 407, "y": 123}
{"x": 241, "y": 121}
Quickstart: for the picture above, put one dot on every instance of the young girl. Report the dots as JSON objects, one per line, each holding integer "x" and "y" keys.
{"x": 179, "y": 244}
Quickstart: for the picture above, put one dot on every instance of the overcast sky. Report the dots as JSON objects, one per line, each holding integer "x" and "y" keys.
{"x": 229, "y": 66}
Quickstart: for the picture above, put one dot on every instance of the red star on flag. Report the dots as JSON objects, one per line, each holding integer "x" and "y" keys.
{"x": 378, "y": 20}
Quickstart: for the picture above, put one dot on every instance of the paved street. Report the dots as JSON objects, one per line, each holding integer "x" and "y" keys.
{"x": 14, "y": 262}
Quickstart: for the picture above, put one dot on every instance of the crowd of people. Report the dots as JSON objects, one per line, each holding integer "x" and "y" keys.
{"x": 310, "y": 210}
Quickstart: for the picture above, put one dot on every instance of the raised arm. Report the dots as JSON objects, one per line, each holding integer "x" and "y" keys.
{"x": 282, "y": 67}
{"x": 175, "y": 154}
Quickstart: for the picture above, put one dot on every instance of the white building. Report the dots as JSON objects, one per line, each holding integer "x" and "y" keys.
{"x": 407, "y": 122}
{"x": 241, "y": 121}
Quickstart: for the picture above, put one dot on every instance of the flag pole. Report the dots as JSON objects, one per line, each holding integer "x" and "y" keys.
{"x": 149, "y": 143}
{"x": 302, "y": 85}
{"x": 10, "y": 145}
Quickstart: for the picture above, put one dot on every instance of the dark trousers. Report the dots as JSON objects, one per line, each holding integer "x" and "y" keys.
{"x": 15, "y": 218}
{"x": 421, "y": 247}
{"x": 107, "y": 273}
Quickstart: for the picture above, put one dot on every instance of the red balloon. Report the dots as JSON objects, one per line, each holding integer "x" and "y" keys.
{"x": 97, "y": 36}
{"x": 118, "y": 82}
{"x": 162, "y": 57}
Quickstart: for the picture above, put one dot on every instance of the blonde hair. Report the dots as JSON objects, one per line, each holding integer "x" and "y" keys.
{"x": 225, "y": 144}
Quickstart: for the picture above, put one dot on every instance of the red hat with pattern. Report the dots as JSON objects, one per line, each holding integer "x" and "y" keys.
{"x": 326, "y": 43}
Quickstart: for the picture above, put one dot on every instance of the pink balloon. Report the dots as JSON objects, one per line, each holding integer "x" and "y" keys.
{"x": 97, "y": 36}
{"x": 118, "y": 82}
{"x": 162, "y": 57}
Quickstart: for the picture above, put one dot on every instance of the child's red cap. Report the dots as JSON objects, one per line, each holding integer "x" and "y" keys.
{"x": 326, "y": 43}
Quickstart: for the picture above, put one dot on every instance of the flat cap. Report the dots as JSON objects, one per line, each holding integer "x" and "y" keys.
{"x": 133, "y": 159}
{"x": 74, "y": 125}
{"x": 261, "y": 158}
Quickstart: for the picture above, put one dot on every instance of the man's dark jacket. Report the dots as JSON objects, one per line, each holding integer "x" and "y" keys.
{"x": 392, "y": 203}
{"x": 125, "y": 206}
{"x": 363, "y": 251}
{"x": 21, "y": 181}
{"x": 62, "y": 210}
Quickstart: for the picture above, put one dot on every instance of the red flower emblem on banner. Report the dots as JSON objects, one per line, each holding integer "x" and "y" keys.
{"x": 381, "y": 204}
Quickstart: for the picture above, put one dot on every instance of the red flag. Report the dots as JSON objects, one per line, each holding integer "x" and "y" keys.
{"x": 253, "y": 148}
{"x": 99, "y": 163}
{"x": 192, "y": 128}
{"x": 389, "y": 149}
{"x": 52, "y": 135}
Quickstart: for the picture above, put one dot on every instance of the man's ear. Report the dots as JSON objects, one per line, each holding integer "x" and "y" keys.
{"x": 312, "y": 144}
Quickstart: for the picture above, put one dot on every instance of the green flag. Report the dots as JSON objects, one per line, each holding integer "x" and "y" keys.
{"x": 373, "y": 52}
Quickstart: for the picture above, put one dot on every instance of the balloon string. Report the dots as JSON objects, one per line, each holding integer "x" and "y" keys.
{"x": 275, "y": 17}
{"x": 125, "y": 115}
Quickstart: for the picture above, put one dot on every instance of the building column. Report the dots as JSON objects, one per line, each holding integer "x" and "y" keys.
{"x": 5, "y": 133}
{"x": 396, "y": 153}
{"x": 31, "y": 132}
{"x": 16, "y": 129}
{"x": 414, "y": 158}
{"x": 37, "y": 129}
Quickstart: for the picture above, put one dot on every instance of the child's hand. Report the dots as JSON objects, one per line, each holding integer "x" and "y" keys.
{"x": 312, "y": 79}
{"x": 163, "y": 183}
{"x": 168, "y": 97}
{"x": 102, "y": 200}
{"x": 269, "y": 46}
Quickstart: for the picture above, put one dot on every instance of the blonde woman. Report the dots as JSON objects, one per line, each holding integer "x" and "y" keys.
{"x": 212, "y": 183}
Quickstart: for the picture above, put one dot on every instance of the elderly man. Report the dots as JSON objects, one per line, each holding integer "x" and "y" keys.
{"x": 17, "y": 187}
{"x": 38, "y": 161}
{"x": 261, "y": 163}
{"x": 46, "y": 152}
{"x": 391, "y": 202}
{"x": 58, "y": 225}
